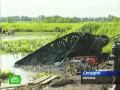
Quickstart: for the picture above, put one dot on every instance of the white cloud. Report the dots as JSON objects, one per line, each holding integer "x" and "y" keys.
{"x": 80, "y": 8}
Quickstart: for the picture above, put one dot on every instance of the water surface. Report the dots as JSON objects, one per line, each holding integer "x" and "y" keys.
{"x": 7, "y": 62}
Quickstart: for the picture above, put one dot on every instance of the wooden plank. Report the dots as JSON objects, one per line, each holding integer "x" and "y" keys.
{"x": 110, "y": 63}
{"x": 39, "y": 80}
{"x": 49, "y": 79}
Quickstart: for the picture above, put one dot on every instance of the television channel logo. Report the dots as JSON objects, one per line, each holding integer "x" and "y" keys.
{"x": 14, "y": 79}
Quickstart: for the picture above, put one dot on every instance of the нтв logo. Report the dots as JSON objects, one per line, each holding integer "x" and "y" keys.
{"x": 14, "y": 79}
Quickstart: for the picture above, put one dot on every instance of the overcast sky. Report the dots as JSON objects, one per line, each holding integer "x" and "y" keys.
{"x": 71, "y": 8}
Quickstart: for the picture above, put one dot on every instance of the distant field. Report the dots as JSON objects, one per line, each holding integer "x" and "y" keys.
{"x": 56, "y": 30}
{"x": 108, "y": 28}
{"x": 39, "y": 27}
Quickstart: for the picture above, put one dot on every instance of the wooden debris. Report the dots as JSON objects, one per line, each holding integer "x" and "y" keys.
{"x": 39, "y": 80}
{"x": 49, "y": 79}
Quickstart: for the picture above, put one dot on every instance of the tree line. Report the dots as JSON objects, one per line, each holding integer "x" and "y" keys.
{"x": 56, "y": 19}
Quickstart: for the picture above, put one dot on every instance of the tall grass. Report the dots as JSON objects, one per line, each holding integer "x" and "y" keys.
{"x": 38, "y": 27}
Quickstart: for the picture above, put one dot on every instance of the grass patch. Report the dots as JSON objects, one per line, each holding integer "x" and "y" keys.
{"x": 23, "y": 45}
{"x": 5, "y": 74}
{"x": 38, "y": 27}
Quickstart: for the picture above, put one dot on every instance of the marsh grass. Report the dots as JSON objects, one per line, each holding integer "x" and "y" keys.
{"x": 27, "y": 46}
{"x": 38, "y": 27}
{"x": 56, "y": 30}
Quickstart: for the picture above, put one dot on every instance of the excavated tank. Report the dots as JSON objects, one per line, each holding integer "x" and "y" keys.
{"x": 70, "y": 45}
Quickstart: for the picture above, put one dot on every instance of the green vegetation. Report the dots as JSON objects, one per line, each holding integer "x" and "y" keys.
{"x": 5, "y": 74}
{"x": 27, "y": 46}
{"x": 39, "y": 27}
{"x": 109, "y": 28}
{"x": 55, "y": 30}
{"x": 56, "y": 19}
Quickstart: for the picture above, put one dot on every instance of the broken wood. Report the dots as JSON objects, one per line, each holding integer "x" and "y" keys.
{"x": 39, "y": 80}
{"x": 49, "y": 79}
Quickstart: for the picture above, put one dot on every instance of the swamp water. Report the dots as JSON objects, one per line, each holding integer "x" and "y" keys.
{"x": 7, "y": 62}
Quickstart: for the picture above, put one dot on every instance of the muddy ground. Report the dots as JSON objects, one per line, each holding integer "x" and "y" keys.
{"x": 65, "y": 81}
